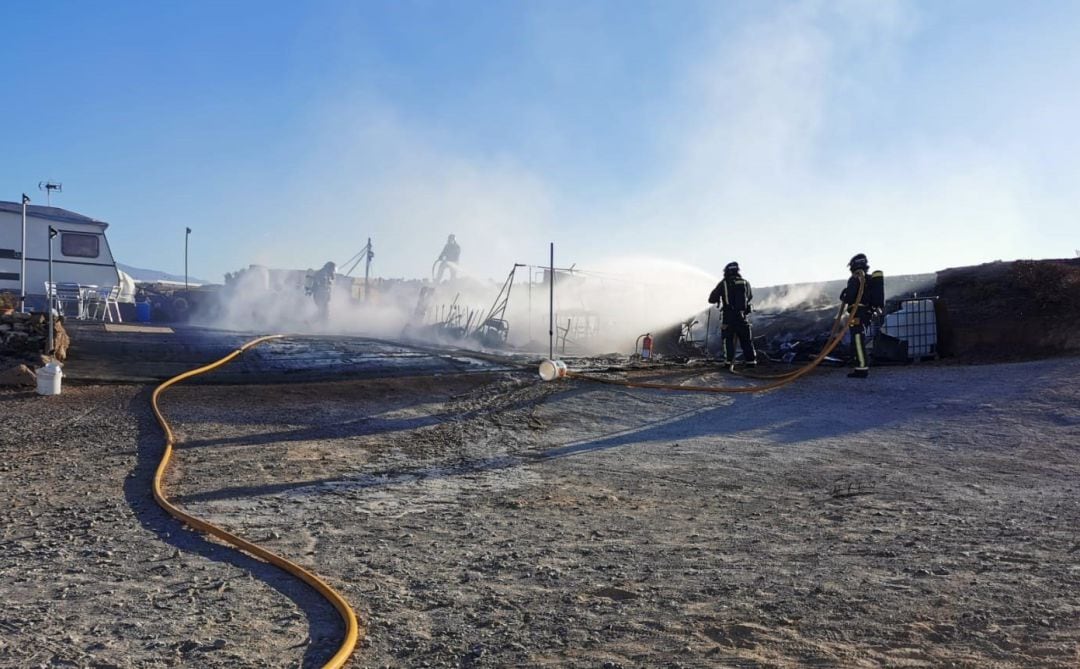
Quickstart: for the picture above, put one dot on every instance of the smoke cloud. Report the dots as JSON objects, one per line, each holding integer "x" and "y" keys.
{"x": 596, "y": 310}
{"x": 783, "y": 151}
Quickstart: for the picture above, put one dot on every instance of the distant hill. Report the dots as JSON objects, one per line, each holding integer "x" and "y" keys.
{"x": 149, "y": 275}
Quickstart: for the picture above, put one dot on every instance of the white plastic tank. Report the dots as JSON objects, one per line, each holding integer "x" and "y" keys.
{"x": 552, "y": 369}
{"x": 915, "y": 323}
{"x": 48, "y": 379}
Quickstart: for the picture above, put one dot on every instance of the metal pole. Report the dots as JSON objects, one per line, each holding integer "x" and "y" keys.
{"x": 708, "y": 326}
{"x": 367, "y": 271}
{"x": 551, "y": 307}
{"x": 22, "y": 259}
{"x": 186, "y": 235}
{"x": 51, "y": 291}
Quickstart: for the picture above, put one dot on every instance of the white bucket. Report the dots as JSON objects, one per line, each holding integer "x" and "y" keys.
{"x": 48, "y": 379}
{"x": 552, "y": 369}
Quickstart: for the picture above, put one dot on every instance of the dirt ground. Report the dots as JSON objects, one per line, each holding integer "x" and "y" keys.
{"x": 929, "y": 516}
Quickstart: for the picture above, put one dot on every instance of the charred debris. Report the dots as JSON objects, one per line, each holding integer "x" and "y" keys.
{"x": 597, "y": 313}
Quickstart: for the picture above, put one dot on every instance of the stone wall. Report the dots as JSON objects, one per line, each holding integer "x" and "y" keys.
{"x": 24, "y": 340}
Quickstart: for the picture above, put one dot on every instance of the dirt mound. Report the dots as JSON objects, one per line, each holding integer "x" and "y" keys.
{"x": 1020, "y": 309}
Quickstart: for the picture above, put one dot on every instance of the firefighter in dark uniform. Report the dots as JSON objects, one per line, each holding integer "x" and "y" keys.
{"x": 322, "y": 287}
{"x": 859, "y": 266}
{"x": 448, "y": 259}
{"x": 733, "y": 295}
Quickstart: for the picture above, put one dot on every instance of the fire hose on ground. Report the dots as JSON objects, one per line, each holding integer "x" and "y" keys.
{"x": 348, "y": 616}
{"x": 836, "y": 336}
{"x": 345, "y": 611}
{"x": 840, "y": 325}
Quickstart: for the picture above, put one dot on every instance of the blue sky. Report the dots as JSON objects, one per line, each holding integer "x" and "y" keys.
{"x": 787, "y": 135}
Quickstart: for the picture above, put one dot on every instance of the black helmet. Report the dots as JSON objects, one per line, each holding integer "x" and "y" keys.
{"x": 858, "y": 261}
{"x": 731, "y": 269}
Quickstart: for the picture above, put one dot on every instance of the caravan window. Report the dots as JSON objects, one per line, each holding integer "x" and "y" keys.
{"x": 79, "y": 246}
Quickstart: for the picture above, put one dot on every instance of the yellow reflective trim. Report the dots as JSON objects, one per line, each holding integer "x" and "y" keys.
{"x": 859, "y": 353}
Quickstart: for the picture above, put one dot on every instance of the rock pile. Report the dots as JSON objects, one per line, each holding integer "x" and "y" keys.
{"x": 24, "y": 340}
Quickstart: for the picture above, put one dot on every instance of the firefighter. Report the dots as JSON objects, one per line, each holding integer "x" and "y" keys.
{"x": 733, "y": 296}
{"x": 859, "y": 266}
{"x": 448, "y": 259}
{"x": 322, "y": 287}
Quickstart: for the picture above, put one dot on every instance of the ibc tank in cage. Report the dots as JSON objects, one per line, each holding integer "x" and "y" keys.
{"x": 915, "y": 323}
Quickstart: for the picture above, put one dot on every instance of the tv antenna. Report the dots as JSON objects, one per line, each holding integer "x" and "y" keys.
{"x": 49, "y": 187}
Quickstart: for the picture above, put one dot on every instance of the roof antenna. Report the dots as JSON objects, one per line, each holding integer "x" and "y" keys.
{"x": 49, "y": 187}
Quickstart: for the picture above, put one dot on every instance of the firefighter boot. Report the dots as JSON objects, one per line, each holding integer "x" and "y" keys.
{"x": 859, "y": 374}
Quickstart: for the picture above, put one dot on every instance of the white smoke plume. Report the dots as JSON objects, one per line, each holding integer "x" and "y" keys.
{"x": 597, "y": 310}
{"x": 795, "y": 296}
{"x": 767, "y": 162}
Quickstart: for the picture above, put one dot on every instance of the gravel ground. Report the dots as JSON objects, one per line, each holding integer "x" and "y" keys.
{"x": 926, "y": 517}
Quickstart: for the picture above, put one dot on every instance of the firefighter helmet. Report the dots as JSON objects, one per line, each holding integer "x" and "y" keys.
{"x": 858, "y": 261}
{"x": 731, "y": 269}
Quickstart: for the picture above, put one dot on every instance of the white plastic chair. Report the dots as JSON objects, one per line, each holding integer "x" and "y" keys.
{"x": 96, "y": 304}
{"x": 68, "y": 293}
{"x": 106, "y": 303}
{"x": 50, "y": 295}
{"x": 111, "y": 297}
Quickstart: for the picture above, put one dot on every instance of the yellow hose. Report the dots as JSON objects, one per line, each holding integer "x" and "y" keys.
{"x": 348, "y": 616}
{"x": 837, "y": 333}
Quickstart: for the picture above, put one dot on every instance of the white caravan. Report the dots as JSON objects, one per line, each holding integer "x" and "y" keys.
{"x": 80, "y": 251}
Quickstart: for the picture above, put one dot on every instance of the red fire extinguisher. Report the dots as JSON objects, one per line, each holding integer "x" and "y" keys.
{"x": 646, "y": 347}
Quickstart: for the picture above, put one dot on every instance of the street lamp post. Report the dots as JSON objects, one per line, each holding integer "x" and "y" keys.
{"x": 52, "y": 291}
{"x": 22, "y": 258}
{"x": 551, "y": 306}
{"x": 186, "y": 236}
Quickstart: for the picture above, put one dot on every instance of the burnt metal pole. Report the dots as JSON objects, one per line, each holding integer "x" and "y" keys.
{"x": 22, "y": 258}
{"x": 367, "y": 271}
{"x": 551, "y": 307}
{"x": 52, "y": 292}
{"x": 187, "y": 234}
{"x": 708, "y": 326}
